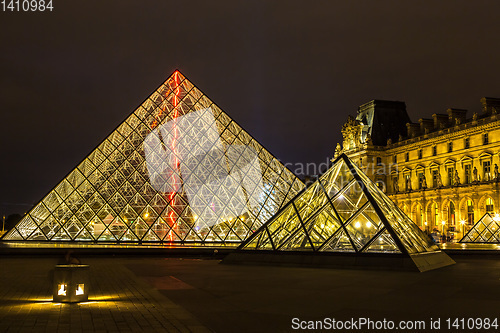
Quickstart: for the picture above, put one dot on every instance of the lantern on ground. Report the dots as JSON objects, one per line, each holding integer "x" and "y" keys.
{"x": 71, "y": 283}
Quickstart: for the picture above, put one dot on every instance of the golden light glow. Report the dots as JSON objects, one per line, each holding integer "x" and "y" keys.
{"x": 61, "y": 290}
{"x": 146, "y": 215}
{"x": 357, "y": 224}
{"x": 368, "y": 224}
{"x": 79, "y": 289}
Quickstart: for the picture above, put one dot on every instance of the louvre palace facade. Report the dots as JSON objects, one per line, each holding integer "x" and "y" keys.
{"x": 442, "y": 172}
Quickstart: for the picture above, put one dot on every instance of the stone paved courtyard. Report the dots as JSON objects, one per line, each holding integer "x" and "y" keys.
{"x": 194, "y": 295}
{"x": 119, "y": 301}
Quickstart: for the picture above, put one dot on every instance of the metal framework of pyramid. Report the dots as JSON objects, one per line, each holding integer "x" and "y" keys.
{"x": 178, "y": 170}
{"x": 342, "y": 212}
{"x": 486, "y": 230}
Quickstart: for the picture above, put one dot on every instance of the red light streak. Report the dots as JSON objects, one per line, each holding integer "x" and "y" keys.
{"x": 173, "y": 177}
{"x": 172, "y": 219}
{"x": 174, "y": 141}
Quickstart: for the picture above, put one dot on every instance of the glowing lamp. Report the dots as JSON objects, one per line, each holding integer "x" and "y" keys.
{"x": 71, "y": 283}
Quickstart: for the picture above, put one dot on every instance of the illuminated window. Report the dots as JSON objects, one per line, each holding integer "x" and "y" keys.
{"x": 467, "y": 174}
{"x": 486, "y": 170}
{"x": 470, "y": 212}
{"x": 434, "y": 213}
{"x": 79, "y": 289}
{"x": 434, "y": 178}
{"x": 451, "y": 175}
{"x": 420, "y": 180}
{"x": 489, "y": 206}
{"x": 451, "y": 213}
{"x": 61, "y": 289}
{"x": 419, "y": 216}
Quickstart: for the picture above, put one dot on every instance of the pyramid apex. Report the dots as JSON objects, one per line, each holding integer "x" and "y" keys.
{"x": 162, "y": 176}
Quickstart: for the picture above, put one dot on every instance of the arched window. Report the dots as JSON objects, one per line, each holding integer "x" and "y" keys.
{"x": 419, "y": 216}
{"x": 489, "y": 206}
{"x": 470, "y": 212}
{"x": 434, "y": 212}
{"x": 451, "y": 213}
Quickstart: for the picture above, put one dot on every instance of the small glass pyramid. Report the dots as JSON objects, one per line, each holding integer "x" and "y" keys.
{"x": 177, "y": 170}
{"x": 343, "y": 211}
{"x": 486, "y": 230}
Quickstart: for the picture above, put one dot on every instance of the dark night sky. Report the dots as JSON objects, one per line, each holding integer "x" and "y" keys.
{"x": 288, "y": 71}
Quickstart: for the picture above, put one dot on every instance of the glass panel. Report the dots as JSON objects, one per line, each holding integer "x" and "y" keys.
{"x": 350, "y": 199}
{"x": 25, "y": 228}
{"x": 486, "y": 230}
{"x": 336, "y": 178}
{"x": 284, "y": 225}
{"x": 338, "y": 243}
{"x": 297, "y": 242}
{"x": 363, "y": 226}
{"x": 310, "y": 201}
{"x": 264, "y": 242}
{"x": 73, "y": 226}
{"x": 322, "y": 225}
{"x": 253, "y": 243}
{"x": 383, "y": 243}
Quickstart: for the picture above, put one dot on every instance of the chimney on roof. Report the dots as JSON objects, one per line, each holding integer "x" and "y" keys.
{"x": 490, "y": 105}
{"x": 426, "y": 125}
{"x": 413, "y": 129}
{"x": 440, "y": 121}
{"x": 456, "y": 116}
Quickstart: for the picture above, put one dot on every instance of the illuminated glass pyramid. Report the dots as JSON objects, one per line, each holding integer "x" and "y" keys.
{"x": 177, "y": 170}
{"x": 343, "y": 211}
{"x": 486, "y": 230}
